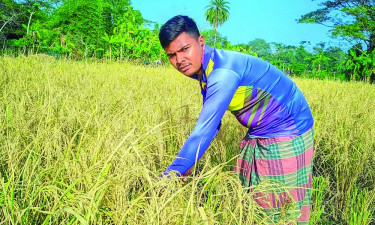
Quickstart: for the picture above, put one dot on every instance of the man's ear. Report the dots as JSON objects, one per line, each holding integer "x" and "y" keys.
{"x": 201, "y": 41}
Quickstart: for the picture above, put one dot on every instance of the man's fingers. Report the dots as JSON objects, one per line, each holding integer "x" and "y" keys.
{"x": 185, "y": 176}
{"x": 188, "y": 173}
{"x": 183, "y": 180}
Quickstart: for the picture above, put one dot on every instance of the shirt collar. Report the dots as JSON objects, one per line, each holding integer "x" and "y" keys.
{"x": 206, "y": 56}
{"x": 205, "y": 60}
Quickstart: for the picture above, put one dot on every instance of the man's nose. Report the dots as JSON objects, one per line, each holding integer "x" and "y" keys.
{"x": 179, "y": 58}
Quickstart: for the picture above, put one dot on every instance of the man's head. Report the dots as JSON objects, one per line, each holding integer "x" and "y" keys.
{"x": 183, "y": 44}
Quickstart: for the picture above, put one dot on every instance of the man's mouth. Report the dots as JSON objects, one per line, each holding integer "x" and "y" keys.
{"x": 184, "y": 68}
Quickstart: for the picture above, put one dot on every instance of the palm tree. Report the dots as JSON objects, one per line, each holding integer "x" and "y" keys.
{"x": 217, "y": 13}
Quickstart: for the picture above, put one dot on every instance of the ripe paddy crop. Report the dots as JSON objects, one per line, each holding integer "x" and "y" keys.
{"x": 83, "y": 142}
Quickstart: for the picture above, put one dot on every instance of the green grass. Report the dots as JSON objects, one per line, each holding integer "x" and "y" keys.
{"x": 84, "y": 142}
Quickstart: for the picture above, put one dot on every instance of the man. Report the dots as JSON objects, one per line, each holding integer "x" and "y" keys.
{"x": 279, "y": 142}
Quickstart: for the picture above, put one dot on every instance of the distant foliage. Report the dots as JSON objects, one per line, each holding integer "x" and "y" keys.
{"x": 353, "y": 21}
{"x": 360, "y": 65}
{"x": 80, "y": 29}
{"x": 113, "y": 30}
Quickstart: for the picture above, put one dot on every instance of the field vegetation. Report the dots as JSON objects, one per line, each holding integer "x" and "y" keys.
{"x": 90, "y": 114}
{"x": 83, "y": 142}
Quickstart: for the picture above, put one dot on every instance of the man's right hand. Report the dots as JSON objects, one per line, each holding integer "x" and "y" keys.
{"x": 185, "y": 176}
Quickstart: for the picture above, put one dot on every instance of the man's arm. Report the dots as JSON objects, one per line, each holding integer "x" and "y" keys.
{"x": 221, "y": 86}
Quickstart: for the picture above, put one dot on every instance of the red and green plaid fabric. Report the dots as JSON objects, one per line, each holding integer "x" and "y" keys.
{"x": 286, "y": 160}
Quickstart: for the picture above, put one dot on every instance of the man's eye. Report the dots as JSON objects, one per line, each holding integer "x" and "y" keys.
{"x": 185, "y": 48}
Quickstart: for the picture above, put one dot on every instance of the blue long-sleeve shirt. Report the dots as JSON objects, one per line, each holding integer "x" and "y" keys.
{"x": 261, "y": 97}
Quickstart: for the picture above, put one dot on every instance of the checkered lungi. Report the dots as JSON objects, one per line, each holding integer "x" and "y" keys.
{"x": 286, "y": 160}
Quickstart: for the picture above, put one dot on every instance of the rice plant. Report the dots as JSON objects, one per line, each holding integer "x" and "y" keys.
{"x": 84, "y": 142}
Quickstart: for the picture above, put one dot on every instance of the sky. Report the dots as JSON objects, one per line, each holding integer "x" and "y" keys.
{"x": 271, "y": 20}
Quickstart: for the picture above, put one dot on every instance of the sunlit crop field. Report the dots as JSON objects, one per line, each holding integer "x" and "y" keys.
{"x": 84, "y": 142}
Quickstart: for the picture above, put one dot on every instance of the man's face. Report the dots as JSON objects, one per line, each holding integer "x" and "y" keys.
{"x": 185, "y": 54}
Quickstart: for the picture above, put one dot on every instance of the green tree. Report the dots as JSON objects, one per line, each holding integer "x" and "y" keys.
{"x": 129, "y": 39}
{"x": 319, "y": 60}
{"x": 261, "y": 47}
{"x": 217, "y": 13}
{"x": 244, "y": 48}
{"x": 119, "y": 8}
{"x": 10, "y": 24}
{"x": 298, "y": 65}
{"x": 81, "y": 24}
{"x": 349, "y": 19}
{"x": 77, "y": 29}
{"x": 290, "y": 59}
{"x": 209, "y": 36}
{"x": 354, "y": 21}
{"x": 16, "y": 17}
{"x": 335, "y": 65}
{"x": 360, "y": 65}
{"x": 282, "y": 56}
{"x": 21, "y": 21}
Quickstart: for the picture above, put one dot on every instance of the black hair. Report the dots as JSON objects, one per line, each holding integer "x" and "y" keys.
{"x": 174, "y": 27}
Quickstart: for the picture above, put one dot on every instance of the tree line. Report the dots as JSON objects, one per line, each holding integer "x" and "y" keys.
{"x": 113, "y": 29}
{"x": 77, "y": 29}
